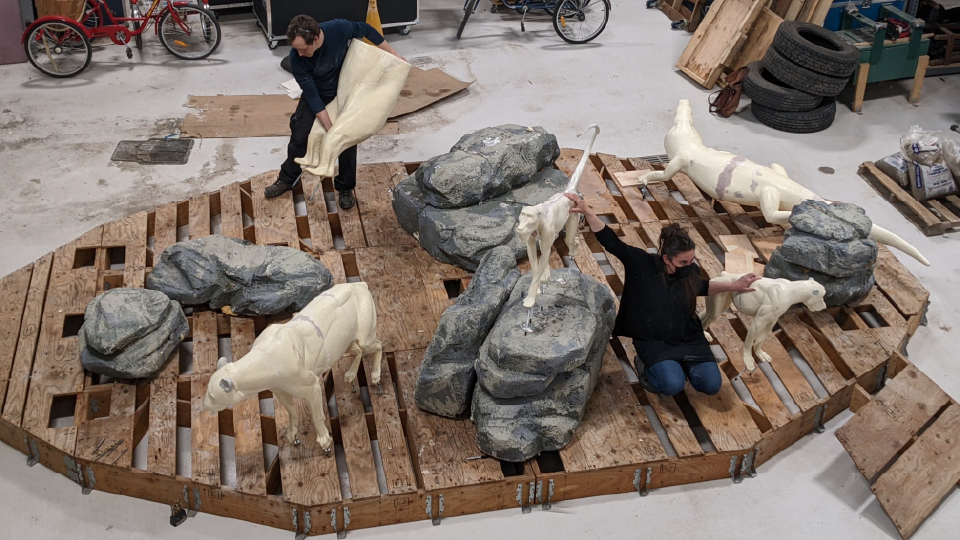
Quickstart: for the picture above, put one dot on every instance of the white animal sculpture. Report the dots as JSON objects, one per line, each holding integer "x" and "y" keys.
{"x": 727, "y": 177}
{"x": 290, "y": 359}
{"x": 770, "y": 299}
{"x": 370, "y": 83}
{"x": 547, "y": 219}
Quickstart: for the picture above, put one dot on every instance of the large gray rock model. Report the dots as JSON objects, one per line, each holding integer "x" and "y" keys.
{"x": 247, "y": 278}
{"x": 130, "y": 333}
{"x": 446, "y": 376}
{"x": 461, "y": 236}
{"x": 830, "y": 243}
{"x": 532, "y": 388}
{"x": 485, "y": 164}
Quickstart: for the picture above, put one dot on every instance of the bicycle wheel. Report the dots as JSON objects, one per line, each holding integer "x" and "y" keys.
{"x": 195, "y": 37}
{"x": 580, "y": 21}
{"x": 58, "y": 49}
{"x": 91, "y": 15}
{"x": 468, "y": 7}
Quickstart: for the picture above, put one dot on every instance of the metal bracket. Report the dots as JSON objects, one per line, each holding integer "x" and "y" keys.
{"x": 91, "y": 481}
{"x": 734, "y": 471}
{"x": 818, "y": 419}
{"x": 346, "y": 522}
{"x": 306, "y": 524}
{"x": 73, "y": 470}
{"x": 186, "y": 500}
{"x": 642, "y": 491}
{"x": 749, "y": 467}
{"x": 547, "y": 505}
{"x": 882, "y": 377}
{"x": 34, "y": 456}
{"x": 196, "y": 502}
{"x": 540, "y": 492}
{"x": 520, "y": 497}
{"x": 530, "y": 499}
{"x": 435, "y": 520}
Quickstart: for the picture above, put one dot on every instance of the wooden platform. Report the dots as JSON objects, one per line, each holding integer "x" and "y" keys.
{"x": 933, "y": 217}
{"x": 397, "y": 463}
{"x": 904, "y": 441}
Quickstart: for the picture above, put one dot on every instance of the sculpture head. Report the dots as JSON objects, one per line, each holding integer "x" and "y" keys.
{"x": 222, "y": 392}
{"x": 682, "y": 132}
{"x": 815, "y": 300}
{"x": 528, "y": 222}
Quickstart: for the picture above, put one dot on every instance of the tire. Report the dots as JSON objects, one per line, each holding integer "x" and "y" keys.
{"x": 768, "y": 91}
{"x": 65, "y": 40}
{"x": 578, "y": 11}
{"x": 468, "y": 8}
{"x": 801, "y": 78}
{"x": 816, "y": 48}
{"x": 818, "y": 119}
{"x": 208, "y": 27}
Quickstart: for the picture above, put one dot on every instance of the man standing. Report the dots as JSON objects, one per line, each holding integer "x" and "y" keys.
{"x": 315, "y": 59}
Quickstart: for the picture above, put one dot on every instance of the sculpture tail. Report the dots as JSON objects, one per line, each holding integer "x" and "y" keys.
{"x": 886, "y": 237}
{"x": 575, "y": 179}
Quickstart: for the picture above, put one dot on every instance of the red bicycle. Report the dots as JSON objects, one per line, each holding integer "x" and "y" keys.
{"x": 60, "y": 46}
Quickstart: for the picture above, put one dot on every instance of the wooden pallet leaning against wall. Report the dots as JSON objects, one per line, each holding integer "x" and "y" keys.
{"x": 628, "y": 440}
{"x": 718, "y": 39}
{"x": 688, "y": 11}
{"x": 933, "y": 217}
{"x": 904, "y": 441}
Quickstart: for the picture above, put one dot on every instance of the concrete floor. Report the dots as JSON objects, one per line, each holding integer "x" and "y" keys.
{"x": 56, "y": 138}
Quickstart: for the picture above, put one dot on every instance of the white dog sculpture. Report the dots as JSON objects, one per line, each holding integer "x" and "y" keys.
{"x": 290, "y": 359}
{"x": 770, "y": 299}
{"x": 727, "y": 177}
{"x": 370, "y": 83}
{"x": 547, "y": 219}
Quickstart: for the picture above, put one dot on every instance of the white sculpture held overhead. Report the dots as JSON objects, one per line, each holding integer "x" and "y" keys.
{"x": 370, "y": 83}
{"x": 547, "y": 219}
{"x": 290, "y": 359}
{"x": 727, "y": 177}
{"x": 770, "y": 299}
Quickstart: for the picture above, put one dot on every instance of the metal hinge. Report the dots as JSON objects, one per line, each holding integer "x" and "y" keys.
{"x": 547, "y": 504}
{"x": 34, "y": 453}
{"x": 748, "y": 466}
{"x": 435, "y": 520}
{"x": 818, "y": 419}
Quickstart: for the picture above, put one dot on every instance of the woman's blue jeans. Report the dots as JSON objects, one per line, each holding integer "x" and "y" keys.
{"x": 668, "y": 377}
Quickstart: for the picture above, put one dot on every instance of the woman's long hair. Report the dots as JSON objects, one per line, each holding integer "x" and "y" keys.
{"x": 674, "y": 241}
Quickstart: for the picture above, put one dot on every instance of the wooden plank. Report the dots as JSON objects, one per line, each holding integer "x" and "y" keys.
{"x": 886, "y": 424}
{"x": 870, "y": 172}
{"x": 705, "y": 257}
{"x": 807, "y": 345}
{"x": 921, "y": 73}
{"x": 247, "y": 430}
{"x": 231, "y": 211}
{"x": 820, "y": 13}
{"x": 675, "y": 424}
{"x": 592, "y": 186}
{"x": 22, "y": 368}
{"x": 355, "y": 438}
{"x": 162, "y": 441}
{"x": 441, "y": 445}
{"x": 738, "y": 262}
{"x": 658, "y": 190}
{"x": 858, "y": 349}
{"x": 914, "y": 486}
{"x": 891, "y": 337}
{"x": 631, "y": 194}
{"x": 375, "y": 201}
{"x": 308, "y": 475}
{"x": 859, "y": 399}
{"x": 765, "y": 245}
{"x": 334, "y": 263}
{"x": 755, "y": 381}
{"x": 164, "y": 229}
{"x": 13, "y": 299}
{"x": 741, "y": 242}
{"x": 206, "y": 350}
{"x": 274, "y": 219}
{"x": 320, "y": 235}
{"x": 717, "y": 38}
{"x": 131, "y": 233}
{"x": 405, "y": 313}
{"x": 204, "y": 434}
{"x": 902, "y": 287}
{"x": 614, "y": 431}
{"x": 434, "y": 273}
{"x": 725, "y": 418}
{"x": 117, "y": 426}
{"x": 394, "y": 455}
{"x": 199, "y": 217}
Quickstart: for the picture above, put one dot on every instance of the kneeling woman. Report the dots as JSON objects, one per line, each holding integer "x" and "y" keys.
{"x": 658, "y": 308}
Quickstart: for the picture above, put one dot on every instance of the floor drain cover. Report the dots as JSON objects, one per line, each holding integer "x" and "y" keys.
{"x": 169, "y": 151}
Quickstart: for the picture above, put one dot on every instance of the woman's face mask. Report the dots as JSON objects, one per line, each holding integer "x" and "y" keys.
{"x": 684, "y": 272}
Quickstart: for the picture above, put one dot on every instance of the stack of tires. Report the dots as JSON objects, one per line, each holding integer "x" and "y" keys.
{"x": 793, "y": 87}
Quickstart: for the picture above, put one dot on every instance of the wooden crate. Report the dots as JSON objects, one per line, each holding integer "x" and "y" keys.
{"x": 629, "y": 440}
{"x": 904, "y": 443}
{"x": 933, "y": 217}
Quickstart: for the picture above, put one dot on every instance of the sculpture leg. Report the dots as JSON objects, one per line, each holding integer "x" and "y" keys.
{"x": 351, "y": 375}
{"x": 716, "y": 305}
{"x": 757, "y": 334}
{"x": 533, "y": 290}
{"x": 673, "y": 167}
{"x": 770, "y": 206}
{"x": 315, "y": 403}
{"x": 572, "y": 235}
{"x": 377, "y": 349}
{"x": 294, "y": 425}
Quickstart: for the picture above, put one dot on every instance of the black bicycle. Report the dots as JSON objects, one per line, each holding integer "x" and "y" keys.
{"x": 576, "y": 21}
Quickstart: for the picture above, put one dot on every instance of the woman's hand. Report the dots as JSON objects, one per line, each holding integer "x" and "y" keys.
{"x": 743, "y": 284}
{"x": 579, "y": 205}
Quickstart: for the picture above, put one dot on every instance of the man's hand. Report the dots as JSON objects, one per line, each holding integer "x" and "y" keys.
{"x": 386, "y": 46}
{"x": 743, "y": 284}
{"x": 324, "y": 119}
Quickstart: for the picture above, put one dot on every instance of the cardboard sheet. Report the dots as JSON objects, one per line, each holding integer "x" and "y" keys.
{"x": 269, "y": 115}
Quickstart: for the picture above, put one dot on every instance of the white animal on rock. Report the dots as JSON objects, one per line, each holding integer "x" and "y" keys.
{"x": 547, "y": 219}
{"x": 368, "y": 89}
{"x": 290, "y": 359}
{"x": 770, "y": 299}
{"x": 728, "y": 177}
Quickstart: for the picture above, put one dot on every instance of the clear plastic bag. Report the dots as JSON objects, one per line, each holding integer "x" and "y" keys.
{"x": 921, "y": 146}
{"x": 950, "y": 151}
{"x": 897, "y": 167}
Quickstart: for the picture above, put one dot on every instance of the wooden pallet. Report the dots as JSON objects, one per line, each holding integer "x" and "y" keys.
{"x": 904, "y": 441}
{"x": 688, "y": 11}
{"x": 933, "y": 217}
{"x": 398, "y": 463}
